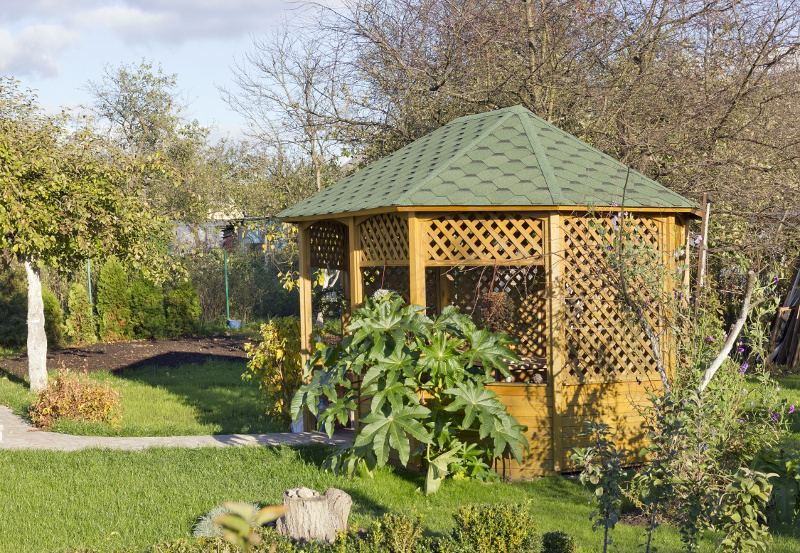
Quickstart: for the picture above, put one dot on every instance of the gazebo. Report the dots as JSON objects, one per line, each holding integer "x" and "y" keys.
{"x": 504, "y": 201}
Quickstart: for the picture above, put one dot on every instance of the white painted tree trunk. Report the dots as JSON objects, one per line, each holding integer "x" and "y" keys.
{"x": 37, "y": 339}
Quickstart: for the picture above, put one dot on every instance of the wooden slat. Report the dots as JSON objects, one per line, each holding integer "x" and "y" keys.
{"x": 504, "y": 389}
{"x": 617, "y": 392}
{"x": 618, "y": 432}
{"x": 612, "y": 419}
{"x": 600, "y": 411}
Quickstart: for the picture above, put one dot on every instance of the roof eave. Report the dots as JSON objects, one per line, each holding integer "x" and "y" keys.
{"x": 695, "y": 213}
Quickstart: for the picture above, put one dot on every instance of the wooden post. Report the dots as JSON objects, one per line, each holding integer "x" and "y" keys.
{"x": 416, "y": 260}
{"x": 356, "y": 293}
{"x": 687, "y": 273}
{"x": 701, "y": 254}
{"x": 555, "y": 311}
{"x": 306, "y": 316}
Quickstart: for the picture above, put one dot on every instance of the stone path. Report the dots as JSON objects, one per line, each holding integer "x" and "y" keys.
{"x": 16, "y": 433}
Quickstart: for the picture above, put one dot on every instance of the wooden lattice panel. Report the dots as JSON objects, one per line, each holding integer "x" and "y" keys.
{"x": 391, "y": 277}
{"x": 525, "y": 286}
{"x": 483, "y": 238}
{"x": 383, "y": 240}
{"x": 602, "y": 344}
{"x": 328, "y": 245}
{"x": 431, "y": 290}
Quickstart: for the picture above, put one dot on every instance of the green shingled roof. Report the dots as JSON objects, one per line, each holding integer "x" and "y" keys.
{"x": 507, "y": 157}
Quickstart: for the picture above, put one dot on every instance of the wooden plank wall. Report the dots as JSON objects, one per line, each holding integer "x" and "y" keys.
{"x": 617, "y": 404}
{"x": 532, "y": 406}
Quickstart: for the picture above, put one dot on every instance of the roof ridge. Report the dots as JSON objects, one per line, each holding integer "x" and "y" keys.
{"x": 600, "y": 152}
{"x": 541, "y": 157}
{"x": 461, "y": 151}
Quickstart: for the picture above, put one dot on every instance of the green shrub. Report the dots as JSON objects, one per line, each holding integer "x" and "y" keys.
{"x": 53, "y": 319}
{"x": 501, "y": 528}
{"x": 113, "y": 301}
{"x": 13, "y": 307}
{"x": 276, "y": 365}
{"x": 72, "y": 396}
{"x": 147, "y": 309}
{"x": 559, "y": 542}
{"x": 80, "y": 323}
{"x": 399, "y": 355}
{"x": 398, "y": 533}
{"x": 183, "y": 310}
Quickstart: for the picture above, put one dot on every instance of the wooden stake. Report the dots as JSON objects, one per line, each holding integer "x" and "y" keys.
{"x": 702, "y": 253}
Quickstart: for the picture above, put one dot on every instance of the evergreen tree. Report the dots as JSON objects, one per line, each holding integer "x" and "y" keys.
{"x": 13, "y": 307}
{"x": 147, "y": 309}
{"x": 113, "y": 302}
{"x": 53, "y": 319}
{"x": 183, "y": 309}
{"x": 80, "y": 324}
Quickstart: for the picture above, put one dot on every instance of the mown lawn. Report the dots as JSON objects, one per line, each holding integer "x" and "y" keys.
{"x": 110, "y": 499}
{"x": 55, "y": 501}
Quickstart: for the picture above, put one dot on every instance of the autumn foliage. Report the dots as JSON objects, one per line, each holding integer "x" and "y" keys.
{"x": 275, "y": 363}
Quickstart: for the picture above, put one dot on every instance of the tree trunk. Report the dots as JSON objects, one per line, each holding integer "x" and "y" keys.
{"x": 37, "y": 339}
{"x": 313, "y": 516}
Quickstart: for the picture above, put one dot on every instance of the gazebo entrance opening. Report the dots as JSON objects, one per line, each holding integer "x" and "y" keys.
{"x": 465, "y": 257}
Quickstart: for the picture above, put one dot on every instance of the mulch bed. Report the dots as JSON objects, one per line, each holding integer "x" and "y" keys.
{"x": 131, "y": 355}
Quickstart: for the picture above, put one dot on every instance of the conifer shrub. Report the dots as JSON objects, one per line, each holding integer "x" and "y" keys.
{"x": 80, "y": 322}
{"x": 147, "y": 309}
{"x": 559, "y": 542}
{"x": 113, "y": 302}
{"x": 74, "y": 396}
{"x": 13, "y": 308}
{"x": 53, "y": 319}
{"x": 183, "y": 309}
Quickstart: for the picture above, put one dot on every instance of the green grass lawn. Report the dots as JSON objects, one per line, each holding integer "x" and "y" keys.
{"x": 112, "y": 499}
{"x": 187, "y": 401}
{"x": 790, "y": 391}
{"x": 107, "y": 499}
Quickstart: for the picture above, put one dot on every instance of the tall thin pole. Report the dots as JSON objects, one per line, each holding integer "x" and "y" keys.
{"x": 702, "y": 253}
{"x": 227, "y": 300}
{"x": 89, "y": 277}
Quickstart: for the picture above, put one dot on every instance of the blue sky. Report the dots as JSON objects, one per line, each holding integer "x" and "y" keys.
{"x": 56, "y": 46}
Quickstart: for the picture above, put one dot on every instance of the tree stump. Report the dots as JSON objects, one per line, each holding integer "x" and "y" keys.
{"x": 313, "y": 516}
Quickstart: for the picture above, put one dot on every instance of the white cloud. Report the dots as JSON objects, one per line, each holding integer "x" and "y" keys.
{"x": 175, "y": 21}
{"x": 47, "y": 10}
{"x": 33, "y": 51}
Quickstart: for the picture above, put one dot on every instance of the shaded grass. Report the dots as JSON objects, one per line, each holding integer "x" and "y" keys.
{"x": 189, "y": 400}
{"x": 790, "y": 391}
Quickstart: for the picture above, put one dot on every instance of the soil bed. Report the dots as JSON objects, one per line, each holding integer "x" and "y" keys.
{"x": 135, "y": 354}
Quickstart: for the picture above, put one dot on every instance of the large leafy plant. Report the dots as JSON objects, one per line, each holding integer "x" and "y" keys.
{"x": 424, "y": 379}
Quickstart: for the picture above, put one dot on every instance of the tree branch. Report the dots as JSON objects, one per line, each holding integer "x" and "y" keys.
{"x": 734, "y": 334}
